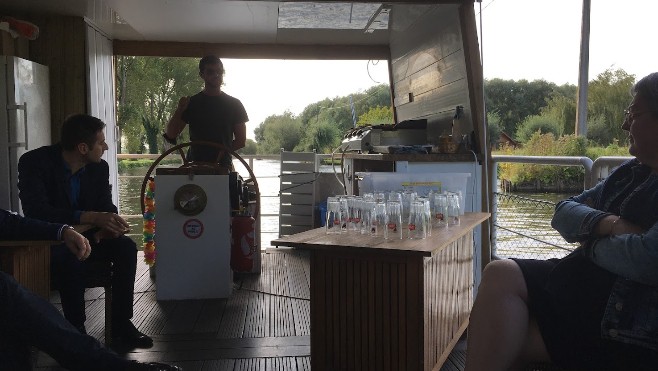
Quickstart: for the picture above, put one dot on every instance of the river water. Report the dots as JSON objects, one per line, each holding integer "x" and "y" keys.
{"x": 521, "y": 222}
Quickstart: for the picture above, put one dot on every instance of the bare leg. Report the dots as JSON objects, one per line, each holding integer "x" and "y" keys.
{"x": 501, "y": 336}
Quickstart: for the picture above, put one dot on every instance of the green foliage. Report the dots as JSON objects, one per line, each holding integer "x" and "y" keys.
{"x": 561, "y": 109}
{"x": 493, "y": 129}
{"x": 280, "y": 131}
{"x": 545, "y": 145}
{"x": 322, "y": 137}
{"x": 324, "y": 122}
{"x": 608, "y": 97}
{"x": 148, "y": 90}
{"x": 377, "y": 115}
{"x": 536, "y": 123}
{"x": 250, "y": 148}
{"x": 338, "y": 110}
{"x": 513, "y": 101}
{"x": 612, "y": 149}
{"x": 124, "y": 165}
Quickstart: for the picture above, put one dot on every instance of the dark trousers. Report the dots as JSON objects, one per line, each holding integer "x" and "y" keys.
{"x": 70, "y": 275}
{"x": 28, "y": 320}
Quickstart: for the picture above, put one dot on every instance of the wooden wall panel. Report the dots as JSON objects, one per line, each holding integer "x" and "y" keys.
{"x": 428, "y": 67}
{"x": 18, "y": 47}
{"x": 448, "y": 283}
{"x": 61, "y": 47}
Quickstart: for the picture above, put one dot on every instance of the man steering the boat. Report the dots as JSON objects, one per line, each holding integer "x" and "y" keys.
{"x": 212, "y": 116}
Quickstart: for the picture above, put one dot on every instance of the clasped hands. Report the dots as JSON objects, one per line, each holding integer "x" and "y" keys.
{"x": 111, "y": 225}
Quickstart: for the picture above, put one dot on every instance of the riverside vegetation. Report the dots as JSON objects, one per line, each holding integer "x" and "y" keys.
{"x": 538, "y": 115}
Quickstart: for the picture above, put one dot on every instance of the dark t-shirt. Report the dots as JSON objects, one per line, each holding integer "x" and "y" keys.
{"x": 213, "y": 118}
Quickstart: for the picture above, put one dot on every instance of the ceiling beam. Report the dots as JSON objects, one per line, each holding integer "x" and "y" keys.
{"x": 251, "y": 51}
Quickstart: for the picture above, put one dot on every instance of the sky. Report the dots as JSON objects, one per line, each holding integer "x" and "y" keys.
{"x": 522, "y": 39}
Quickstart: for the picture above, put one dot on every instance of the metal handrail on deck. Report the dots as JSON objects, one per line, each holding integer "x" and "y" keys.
{"x": 595, "y": 171}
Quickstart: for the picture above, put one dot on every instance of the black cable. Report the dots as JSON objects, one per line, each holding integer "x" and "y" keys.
{"x": 269, "y": 293}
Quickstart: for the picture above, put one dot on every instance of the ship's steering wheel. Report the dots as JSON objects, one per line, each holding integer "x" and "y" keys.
{"x": 250, "y": 182}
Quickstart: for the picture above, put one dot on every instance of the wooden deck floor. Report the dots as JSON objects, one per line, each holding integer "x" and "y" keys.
{"x": 264, "y": 325}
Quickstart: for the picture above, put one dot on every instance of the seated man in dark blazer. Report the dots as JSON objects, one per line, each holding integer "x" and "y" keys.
{"x": 68, "y": 183}
{"x": 28, "y": 320}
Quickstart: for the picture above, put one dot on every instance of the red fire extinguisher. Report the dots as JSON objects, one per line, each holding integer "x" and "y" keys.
{"x": 243, "y": 246}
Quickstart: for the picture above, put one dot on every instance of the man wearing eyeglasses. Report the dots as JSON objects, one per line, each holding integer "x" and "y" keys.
{"x": 212, "y": 116}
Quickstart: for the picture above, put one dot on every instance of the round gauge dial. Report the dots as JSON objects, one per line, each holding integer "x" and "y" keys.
{"x": 190, "y": 199}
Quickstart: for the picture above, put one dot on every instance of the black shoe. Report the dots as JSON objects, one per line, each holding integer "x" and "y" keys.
{"x": 152, "y": 366}
{"x": 126, "y": 336}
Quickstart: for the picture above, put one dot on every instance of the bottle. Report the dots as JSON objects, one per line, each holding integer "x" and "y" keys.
{"x": 456, "y": 125}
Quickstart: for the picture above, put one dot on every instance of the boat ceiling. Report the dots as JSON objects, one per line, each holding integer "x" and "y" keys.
{"x": 235, "y": 22}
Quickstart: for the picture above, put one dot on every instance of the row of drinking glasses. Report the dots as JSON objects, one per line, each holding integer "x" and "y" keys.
{"x": 378, "y": 214}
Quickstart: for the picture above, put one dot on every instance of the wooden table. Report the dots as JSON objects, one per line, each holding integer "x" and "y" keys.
{"x": 29, "y": 263}
{"x": 388, "y": 305}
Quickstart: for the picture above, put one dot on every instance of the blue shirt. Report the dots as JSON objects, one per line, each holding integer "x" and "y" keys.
{"x": 74, "y": 188}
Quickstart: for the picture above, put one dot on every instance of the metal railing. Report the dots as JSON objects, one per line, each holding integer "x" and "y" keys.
{"x": 523, "y": 230}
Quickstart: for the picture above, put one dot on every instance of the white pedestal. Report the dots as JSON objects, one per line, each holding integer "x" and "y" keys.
{"x": 193, "y": 252}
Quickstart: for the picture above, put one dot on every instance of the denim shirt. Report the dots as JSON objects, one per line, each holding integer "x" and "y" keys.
{"x": 631, "y": 314}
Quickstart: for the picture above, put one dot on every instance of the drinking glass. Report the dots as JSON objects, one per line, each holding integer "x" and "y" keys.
{"x": 417, "y": 218}
{"x": 393, "y": 220}
{"x": 379, "y": 220}
{"x": 354, "y": 214}
{"x": 333, "y": 216}
{"x": 453, "y": 209}
{"x": 440, "y": 211}
{"x": 395, "y": 196}
{"x": 428, "y": 214}
{"x": 368, "y": 213}
{"x": 407, "y": 197}
{"x": 344, "y": 213}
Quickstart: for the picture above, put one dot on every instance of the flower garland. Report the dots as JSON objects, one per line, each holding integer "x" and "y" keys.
{"x": 149, "y": 223}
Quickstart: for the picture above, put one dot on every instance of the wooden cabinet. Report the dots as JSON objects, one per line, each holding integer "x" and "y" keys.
{"x": 388, "y": 305}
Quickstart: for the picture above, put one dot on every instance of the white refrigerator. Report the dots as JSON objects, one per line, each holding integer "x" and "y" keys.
{"x": 24, "y": 120}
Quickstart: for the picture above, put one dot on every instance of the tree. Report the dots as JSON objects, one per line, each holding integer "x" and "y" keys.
{"x": 250, "y": 148}
{"x": 148, "y": 89}
{"x": 608, "y": 97}
{"x": 513, "y": 101}
{"x": 561, "y": 108}
{"x": 322, "y": 137}
{"x": 537, "y": 123}
{"x": 280, "y": 131}
{"x": 376, "y": 116}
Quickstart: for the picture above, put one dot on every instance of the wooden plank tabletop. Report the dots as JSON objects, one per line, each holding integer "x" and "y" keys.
{"x": 441, "y": 237}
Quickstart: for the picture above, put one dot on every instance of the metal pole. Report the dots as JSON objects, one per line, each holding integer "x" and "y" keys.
{"x": 581, "y": 102}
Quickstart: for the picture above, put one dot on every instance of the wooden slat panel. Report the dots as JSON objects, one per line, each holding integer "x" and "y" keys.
{"x": 291, "y": 167}
{"x": 296, "y": 220}
{"x": 318, "y": 305}
{"x": 448, "y": 281}
{"x": 287, "y": 156}
{"x": 288, "y": 210}
{"x": 210, "y": 315}
{"x": 297, "y": 188}
{"x": 29, "y": 263}
{"x": 297, "y": 199}
{"x": 436, "y": 74}
{"x": 233, "y": 322}
{"x": 187, "y": 311}
{"x": 297, "y": 178}
{"x": 292, "y": 229}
